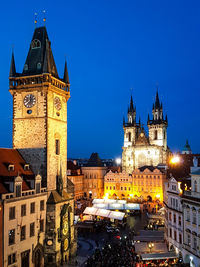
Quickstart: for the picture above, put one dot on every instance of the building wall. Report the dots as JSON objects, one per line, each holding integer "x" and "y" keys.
{"x": 173, "y": 216}
{"x": 94, "y": 181}
{"x": 140, "y": 184}
{"x": 30, "y": 242}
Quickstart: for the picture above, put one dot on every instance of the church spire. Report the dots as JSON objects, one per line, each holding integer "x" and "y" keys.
{"x": 12, "y": 66}
{"x": 157, "y": 102}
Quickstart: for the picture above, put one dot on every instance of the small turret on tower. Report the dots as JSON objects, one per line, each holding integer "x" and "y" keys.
{"x": 12, "y": 67}
{"x": 131, "y": 113}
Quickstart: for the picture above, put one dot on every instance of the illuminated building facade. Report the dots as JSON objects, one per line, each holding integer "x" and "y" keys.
{"x": 145, "y": 183}
{"x": 139, "y": 149}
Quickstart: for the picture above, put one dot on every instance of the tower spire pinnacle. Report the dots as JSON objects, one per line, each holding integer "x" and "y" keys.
{"x": 12, "y": 66}
{"x": 66, "y": 76}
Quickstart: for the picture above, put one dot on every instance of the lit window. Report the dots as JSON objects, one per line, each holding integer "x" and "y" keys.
{"x": 11, "y": 237}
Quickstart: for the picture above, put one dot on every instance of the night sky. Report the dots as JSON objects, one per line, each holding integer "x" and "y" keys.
{"x": 112, "y": 46}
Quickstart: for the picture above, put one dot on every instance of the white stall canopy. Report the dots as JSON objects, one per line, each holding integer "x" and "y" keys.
{"x": 116, "y": 215}
{"x": 104, "y": 213}
{"x": 132, "y": 206}
{"x": 90, "y": 211}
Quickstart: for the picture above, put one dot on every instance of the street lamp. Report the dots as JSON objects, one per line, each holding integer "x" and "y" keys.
{"x": 151, "y": 245}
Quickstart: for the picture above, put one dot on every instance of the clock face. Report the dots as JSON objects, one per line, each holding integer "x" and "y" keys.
{"x": 29, "y": 101}
{"x": 57, "y": 103}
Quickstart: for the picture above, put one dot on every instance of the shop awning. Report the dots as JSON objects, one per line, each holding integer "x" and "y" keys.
{"x": 90, "y": 211}
{"x": 159, "y": 256}
{"x": 116, "y": 215}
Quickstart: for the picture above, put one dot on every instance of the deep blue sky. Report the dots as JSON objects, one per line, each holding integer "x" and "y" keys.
{"x": 112, "y": 46}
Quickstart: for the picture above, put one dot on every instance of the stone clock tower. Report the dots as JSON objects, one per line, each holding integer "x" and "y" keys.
{"x": 40, "y": 110}
{"x": 40, "y": 135}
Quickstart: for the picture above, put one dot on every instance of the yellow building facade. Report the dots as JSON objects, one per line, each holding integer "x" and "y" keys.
{"x": 145, "y": 183}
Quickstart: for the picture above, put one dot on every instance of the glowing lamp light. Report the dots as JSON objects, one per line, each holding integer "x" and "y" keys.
{"x": 106, "y": 196}
{"x": 158, "y": 196}
{"x": 118, "y": 161}
{"x": 175, "y": 160}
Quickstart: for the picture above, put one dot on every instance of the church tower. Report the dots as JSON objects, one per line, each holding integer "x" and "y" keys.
{"x": 158, "y": 125}
{"x": 40, "y": 134}
{"x": 40, "y": 110}
{"x": 131, "y": 129}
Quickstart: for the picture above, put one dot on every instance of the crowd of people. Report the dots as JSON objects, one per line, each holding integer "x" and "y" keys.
{"x": 120, "y": 253}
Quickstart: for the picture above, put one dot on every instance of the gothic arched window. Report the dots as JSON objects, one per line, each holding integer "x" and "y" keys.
{"x": 35, "y": 44}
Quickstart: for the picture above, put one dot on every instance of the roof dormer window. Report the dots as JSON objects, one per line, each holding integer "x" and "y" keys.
{"x": 11, "y": 167}
{"x": 26, "y": 167}
{"x": 35, "y": 44}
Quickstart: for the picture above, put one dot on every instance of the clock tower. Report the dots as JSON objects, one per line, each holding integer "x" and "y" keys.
{"x": 40, "y": 110}
{"x": 40, "y": 134}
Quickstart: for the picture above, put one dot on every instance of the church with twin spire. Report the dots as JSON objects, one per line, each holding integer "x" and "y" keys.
{"x": 140, "y": 149}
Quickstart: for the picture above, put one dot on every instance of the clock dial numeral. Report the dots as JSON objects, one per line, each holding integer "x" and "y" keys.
{"x": 29, "y": 101}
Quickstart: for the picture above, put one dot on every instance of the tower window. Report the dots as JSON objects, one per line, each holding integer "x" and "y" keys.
{"x": 155, "y": 135}
{"x": 164, "y": 135}
{"x": 57, "y": 147}
{"x": 39, "y": 65}
{"x": 35, "y": 44}
{"x": 129, "y": 137}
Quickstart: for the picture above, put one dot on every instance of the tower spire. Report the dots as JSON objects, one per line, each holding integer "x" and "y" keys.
{"x": 157, "y": 102}
{"x": 12, "y": 66}
{"x": 66, "y": 76}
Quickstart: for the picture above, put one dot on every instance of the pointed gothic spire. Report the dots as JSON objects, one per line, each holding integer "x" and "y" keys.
{"x": 12, "y": 66}
{"x": 148, "y": 119}
{"x": 131, "y": 105}
{"x": 66, "y": 76}
{"x": 157, "y": 102}
{"x": 139, "y": 121}
{"x": 166, "y": 119}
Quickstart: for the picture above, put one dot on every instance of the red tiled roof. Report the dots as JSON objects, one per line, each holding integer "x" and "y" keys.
{"x": 12, "y": 156}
